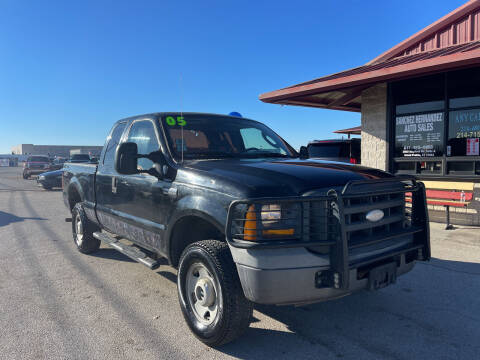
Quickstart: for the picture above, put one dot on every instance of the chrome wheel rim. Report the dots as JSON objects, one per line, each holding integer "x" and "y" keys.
{"x": 78, "y": 230}
{"x": 202, "y": 294}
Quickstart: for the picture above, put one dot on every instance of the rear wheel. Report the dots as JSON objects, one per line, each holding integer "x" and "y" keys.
{"x": 210, "y": 293}
{"x": 82, "y": 231}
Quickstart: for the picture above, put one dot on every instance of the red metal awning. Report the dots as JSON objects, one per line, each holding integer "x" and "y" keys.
{"x": 451, "y": 42}
{"x": 342, "y": 90}
{"x": 357, "y": 130}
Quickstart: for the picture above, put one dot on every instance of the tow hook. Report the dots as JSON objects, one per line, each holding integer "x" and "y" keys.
{"x": 69, "y": 219}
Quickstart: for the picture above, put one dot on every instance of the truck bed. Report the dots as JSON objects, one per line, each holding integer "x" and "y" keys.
{"x": 82, "y": 176}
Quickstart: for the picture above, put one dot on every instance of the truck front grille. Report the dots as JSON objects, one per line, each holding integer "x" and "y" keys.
{"x": 361, "y": 232}
{"x": 333, "y": 217}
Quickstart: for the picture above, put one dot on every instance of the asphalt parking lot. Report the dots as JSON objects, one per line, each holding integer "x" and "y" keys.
{"x": 56, "y": 303}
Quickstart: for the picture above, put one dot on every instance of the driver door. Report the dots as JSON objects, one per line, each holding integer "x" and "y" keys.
{"x": 144, "y": 197}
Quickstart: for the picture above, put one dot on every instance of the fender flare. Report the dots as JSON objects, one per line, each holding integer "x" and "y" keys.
{"x": 211, "y": 211}
{"x": 74, "y": 184}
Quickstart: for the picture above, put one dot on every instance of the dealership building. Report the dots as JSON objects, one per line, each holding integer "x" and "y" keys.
{"x": 420, "y": 110}
{"x": 55, "y": 150}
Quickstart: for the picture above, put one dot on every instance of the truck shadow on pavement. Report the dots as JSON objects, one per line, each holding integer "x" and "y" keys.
{"x": 431, "y": 312}
{"x": 7, "y": 218}
{"x": 111, "y": 254}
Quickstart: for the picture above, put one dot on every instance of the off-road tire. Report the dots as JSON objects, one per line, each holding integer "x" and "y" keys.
{"x": 234, "y": 317}
{"x": 88, "y": 244}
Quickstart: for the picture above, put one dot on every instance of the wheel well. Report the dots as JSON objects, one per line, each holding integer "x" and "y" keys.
{"x": 188, "y": 230}
{"x": 73, "y": 198}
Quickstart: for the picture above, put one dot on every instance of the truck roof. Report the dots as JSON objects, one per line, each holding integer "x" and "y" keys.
{"x": 162, "y": 113}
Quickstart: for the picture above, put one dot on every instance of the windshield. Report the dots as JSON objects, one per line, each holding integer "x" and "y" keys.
{"x": 37, "y": 159}
{"x": 214, "y": 136}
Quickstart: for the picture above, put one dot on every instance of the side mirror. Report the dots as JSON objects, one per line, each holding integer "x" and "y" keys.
{"x": 303, "y": 152}
{"x": 126, "y": 158}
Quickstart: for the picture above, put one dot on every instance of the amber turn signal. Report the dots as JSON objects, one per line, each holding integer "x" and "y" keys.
{"x": 278, "y": 232}
{"x": 250, "y": 227}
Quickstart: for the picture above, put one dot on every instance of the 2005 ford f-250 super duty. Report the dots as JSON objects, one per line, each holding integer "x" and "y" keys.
{"x": 244, "y": 217}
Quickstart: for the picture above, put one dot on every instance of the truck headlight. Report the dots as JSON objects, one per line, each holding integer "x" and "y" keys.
{"x": 41, "y": 177}
{"x": 276, "y": 221}
{"x": 271, "y": 213}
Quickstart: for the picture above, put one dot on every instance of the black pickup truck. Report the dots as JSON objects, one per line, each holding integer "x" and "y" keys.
{"x": 243, "y": 216}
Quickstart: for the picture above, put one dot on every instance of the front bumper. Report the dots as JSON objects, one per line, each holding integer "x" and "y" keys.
{"x": 49, "y": 182}
{"x": 337, "y": 251}
{"x": 43, "y": 183}
{"x": 273, "y": 284}
{"x": 31, "y": 172}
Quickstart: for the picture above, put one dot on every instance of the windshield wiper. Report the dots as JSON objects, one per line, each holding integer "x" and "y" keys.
{"x": 264, "y": 154}
{"x": 222, "y": 155}
{"x": 209, "y": 155}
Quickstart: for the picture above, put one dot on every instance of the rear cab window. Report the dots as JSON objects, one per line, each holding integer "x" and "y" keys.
{"x": 329, "y": 150}
{"x": 111, "y": 144}
{"x": 85, "y": 157}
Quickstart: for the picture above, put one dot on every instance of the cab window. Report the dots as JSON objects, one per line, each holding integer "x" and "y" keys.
{"x": 143, "y": 134}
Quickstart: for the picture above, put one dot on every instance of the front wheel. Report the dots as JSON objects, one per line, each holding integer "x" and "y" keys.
{"x": 210, "y": 293}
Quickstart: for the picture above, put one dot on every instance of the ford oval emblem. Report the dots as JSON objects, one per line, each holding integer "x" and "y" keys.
{"x": 375, "y": 215}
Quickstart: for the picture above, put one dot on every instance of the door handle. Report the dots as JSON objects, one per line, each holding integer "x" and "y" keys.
{"x": 171, "y": 192}
{"x": 114, "y": 184}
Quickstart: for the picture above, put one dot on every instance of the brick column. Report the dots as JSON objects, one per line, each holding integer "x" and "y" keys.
{"x": 374, "y": 127}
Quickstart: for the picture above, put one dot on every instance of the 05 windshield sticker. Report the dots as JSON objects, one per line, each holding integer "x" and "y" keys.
{"x": 175, "y": 120}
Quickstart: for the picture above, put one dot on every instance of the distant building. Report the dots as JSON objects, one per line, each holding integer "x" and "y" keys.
{"x": 55, "y": 150}
{"x": 88, "y": 151}
{"x": 9, "y": 160}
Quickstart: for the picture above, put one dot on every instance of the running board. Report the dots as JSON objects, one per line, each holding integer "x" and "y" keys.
{"x": 131, "y": 251}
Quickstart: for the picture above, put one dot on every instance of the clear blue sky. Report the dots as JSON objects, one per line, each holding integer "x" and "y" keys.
{"x": 69, "y": 69}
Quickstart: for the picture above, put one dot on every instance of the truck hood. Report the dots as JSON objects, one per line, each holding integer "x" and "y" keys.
{"x": 282, "y": 177}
